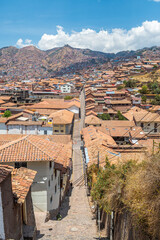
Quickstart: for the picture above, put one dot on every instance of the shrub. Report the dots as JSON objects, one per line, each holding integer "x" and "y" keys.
{"x": 68, "y": 97}
{"x": 7, "y": 114}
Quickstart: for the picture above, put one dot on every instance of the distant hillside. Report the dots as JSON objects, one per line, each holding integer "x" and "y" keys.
{"x": 31, "y": 61}
{"x": 50, "y": 62}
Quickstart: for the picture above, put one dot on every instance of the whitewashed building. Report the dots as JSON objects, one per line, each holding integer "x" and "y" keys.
{"x": 51, "y": 161}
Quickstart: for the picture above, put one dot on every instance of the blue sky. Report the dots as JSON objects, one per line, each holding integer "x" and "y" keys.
{"x": 32, "y": 19}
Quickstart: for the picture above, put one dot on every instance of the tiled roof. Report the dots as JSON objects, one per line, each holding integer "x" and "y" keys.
{"x": 25, "y": 123}
{"x": 91, "y": 119}
{"x": 117, "y": 123}
{"x": 91, "y": 113}
{"x": 1, "y": 101}
{"x": 91, "y": 133}
{"x": 149, "y": 117}
{"x": 6, "y": 138}
{"x": 54, "y": 104}
{"x": 34, "y": 148}
{"x": 5, "y": 98}
{"x": 64, "y": 139}
{"x": 62, "y": 117}
{"x": 22, "y": 179}
{"x": 9, "y": 104}
{"x": 4, "y": 172}
{"x": 46, "y": 111}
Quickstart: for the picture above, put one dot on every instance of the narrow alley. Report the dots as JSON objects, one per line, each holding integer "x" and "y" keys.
{"x": 77, "y": 220}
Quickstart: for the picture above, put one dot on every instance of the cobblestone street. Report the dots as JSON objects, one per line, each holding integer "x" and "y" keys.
{"x": 77, "y": 220}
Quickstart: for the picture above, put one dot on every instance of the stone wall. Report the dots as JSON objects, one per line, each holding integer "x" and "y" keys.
{"x": 123, "y": 228}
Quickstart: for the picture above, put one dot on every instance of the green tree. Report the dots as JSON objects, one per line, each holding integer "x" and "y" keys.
{"x": 144, "y": 98}
{"x": 120, "y": 87}
{"x": 105, "y": 116}
{"x": 156, "y": 101}
{"x": 155, "y": 66}
{"x": 7, "y": 114}
{"x": 144, "y": 89}
{"x": 120, "y": 116}
{"x": 130, "y": 83}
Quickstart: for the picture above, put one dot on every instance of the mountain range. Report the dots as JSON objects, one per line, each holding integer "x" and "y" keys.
{"x": 59, "y": 60}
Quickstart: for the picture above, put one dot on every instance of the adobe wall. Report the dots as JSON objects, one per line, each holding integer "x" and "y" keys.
{"x": 11, "y": 212}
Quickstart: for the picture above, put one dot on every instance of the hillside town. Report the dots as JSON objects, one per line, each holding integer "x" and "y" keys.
{"x": 58, "y": 136}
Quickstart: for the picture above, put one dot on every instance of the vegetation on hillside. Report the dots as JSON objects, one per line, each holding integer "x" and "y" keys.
{"x": 131, "y": 186}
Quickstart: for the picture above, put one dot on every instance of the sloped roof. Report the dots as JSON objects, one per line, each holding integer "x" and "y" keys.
{"x": 22, "y": 179}
{"x": 91, "y": 119}
{"x": 55, "y": 104}
{"x": 25, "y": 123}
{"x": 4, "y": 172}
{"x": 33, "y": 148}
{"x": 91, "y": 113}
{"x": 117, "y": 123}
{"x": 62, "y": 117}
{"x": 149, "y": 117}
{"x": 9, "y": 104}
{"x": 6, "y": 138}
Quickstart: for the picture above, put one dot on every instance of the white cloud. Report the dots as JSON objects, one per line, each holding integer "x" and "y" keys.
{"x": 146, "y": 35}
{"x": 20, "y": 43}
{"x": 156, "y": 0}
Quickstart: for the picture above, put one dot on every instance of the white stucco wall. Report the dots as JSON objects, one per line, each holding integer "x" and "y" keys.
{"x": 20, "y": 129}
{"x": 42, "y": 129}
{"x": 65, "y": 88}
{"x": 3, "y": 128}
{"x": 39, "y": 186}
{"x": 14, "y": 129}
{"x": 40, "y": 190}
{"x": 51, "y": 190}
{"x": 149, "y": 127}
{"x": 2, "y": 233}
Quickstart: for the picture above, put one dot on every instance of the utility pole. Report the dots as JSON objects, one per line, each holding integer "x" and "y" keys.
{"x": 98, "y": 208}
{"x": 153, "y": 146}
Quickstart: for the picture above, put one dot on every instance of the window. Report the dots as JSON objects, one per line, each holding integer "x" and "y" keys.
{"x": 49, "y": 183}
{"x": 50, "y": 164}
{"x": 45, "y": 132}
{"x": 55, "y": 188}
{"x": 51, "y": 199}
{"x": 55, "y": 173}
{"x": 62, "y": 131}
{"x": 52, "y": 177}
{"x": 20, "y": 164}
{"x": 155, "y": 127}
{"x": 59, "y": 181}
{"x": 56, "y": 130}
{"x": 142, "y": 125}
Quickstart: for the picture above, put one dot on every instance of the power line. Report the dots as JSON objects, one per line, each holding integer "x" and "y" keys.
{"x": 136, "y": 141}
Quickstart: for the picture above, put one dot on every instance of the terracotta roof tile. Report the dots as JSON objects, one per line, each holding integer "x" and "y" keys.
{"x": 62, "y": 117}
{"x": 22, "y": 179}
{"x": 34, "y": 148}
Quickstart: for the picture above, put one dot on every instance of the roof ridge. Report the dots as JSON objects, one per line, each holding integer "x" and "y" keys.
{"x": 39, "y": 147}
{"x": 13, "y": 142}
